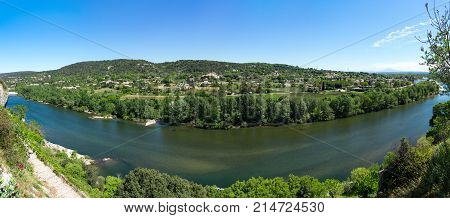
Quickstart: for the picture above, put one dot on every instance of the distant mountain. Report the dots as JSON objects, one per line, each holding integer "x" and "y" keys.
{"x": 17, "y": 72}
{"x": 402, "y": 72}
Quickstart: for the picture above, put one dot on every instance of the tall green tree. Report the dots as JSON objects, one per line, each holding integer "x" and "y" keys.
{"x": 437, "y": 53}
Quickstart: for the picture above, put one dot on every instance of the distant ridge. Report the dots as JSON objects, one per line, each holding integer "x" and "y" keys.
{"x": 187, "y": 66}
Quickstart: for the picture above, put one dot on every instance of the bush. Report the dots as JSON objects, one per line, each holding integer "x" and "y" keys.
{"x": 306, "y": 187}
{"x": 75, "y": 170}
{"x": 255, "y": 188}
{"x": 334, "y": 187}
{"x": 403, "y": 170}
{"x": 436, "y": 182}
{"x": 112, "y": 184}
{"x": 363, "y": 182}
{"x": 8, "y": 189}
{"x": 440, "y": 122}
{"x": 149, "y": 183}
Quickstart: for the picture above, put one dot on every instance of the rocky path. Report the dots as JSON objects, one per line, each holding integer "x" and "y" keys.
{"x": 55, "y": 185}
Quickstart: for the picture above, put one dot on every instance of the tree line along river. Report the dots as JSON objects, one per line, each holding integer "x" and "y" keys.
{"x": 220, "y": 157}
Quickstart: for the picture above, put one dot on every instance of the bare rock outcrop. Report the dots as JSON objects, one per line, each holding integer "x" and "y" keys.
{"x": 3, "y": 94}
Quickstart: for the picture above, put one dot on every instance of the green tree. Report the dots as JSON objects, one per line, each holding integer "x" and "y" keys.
{"x": 112, "y": 184}
{"x": 257, "y": 188}
{"x": 437, "y": 55}
{"x": 306, "y": 187}
{"x": 440, "y": 122}
{"x": 403, "y": 170}
{"x": 334, "y": 187}
{"x": 20, "y": 111}
{"x": 363, "y": 182}
{"x": 436, "y": 181}
{"x": 343, "y": 106}
{"x": 149, "y": 183}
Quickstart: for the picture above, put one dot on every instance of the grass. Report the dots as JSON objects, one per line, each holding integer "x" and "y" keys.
{"x": 13, "y": 155}
{"x": 71, "y": 168}
{"x": 105, "y": 90}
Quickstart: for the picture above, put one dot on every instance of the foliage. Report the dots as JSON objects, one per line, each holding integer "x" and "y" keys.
{"x": 436, "y": 181}
{"x": 149, "y": 183}
{"x": 14, "y": 153}
{"x": 440, "y": 123}
{"x": 256, "y": 188}
{"x": 8, "y": 189}
{"x": 437, "y": 55}
{"x": 111, "y": 187}
{"x": 306, "y": 187}
{"x": 218, "y": 111}
{"x": 404, "y": 170}
{"x": 421, "y": 170}
{"x": 363, "y": 182}
{"x": 71, "y": 168}
{"x": 335, "y": 187}
{"x": 20, "y": 111}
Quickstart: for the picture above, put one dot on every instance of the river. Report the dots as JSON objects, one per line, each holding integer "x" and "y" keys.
{"x": 220, "y": 157}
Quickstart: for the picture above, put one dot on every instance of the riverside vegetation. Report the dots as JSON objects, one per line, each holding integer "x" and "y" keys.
{"x": 330, "y": 94}
{"x": 220, "y": 112}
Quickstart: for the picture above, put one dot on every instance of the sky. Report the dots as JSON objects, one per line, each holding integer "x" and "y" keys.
{"x": 49, "y": 34}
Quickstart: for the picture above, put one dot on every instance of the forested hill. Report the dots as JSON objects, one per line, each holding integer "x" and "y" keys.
{"x": 181, "y": 66}
{"x": 112, "y": 66}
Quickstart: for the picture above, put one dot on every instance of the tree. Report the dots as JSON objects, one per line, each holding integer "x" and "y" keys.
{"x": 112, "y": 184}
{"x": 363, "y": 182}
{"x": 334, "y": 187}
{"x": 440, "y": 122}
{"x": 306, "y": 187}
{"x": 436, "y": 181}
{"x": 20, "y": 111}
{"x": 403, "y": 170}
{"x": 257, "y": 188}
{"x": 437, "y": 55}
{"x": 343, "y": 106}
{"x": 149, "y": 183}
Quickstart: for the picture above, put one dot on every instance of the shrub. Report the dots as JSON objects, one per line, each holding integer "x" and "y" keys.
{"x": 112, "y": 184}
{"x": 255, "y": 188}
{"x": 8, "y": 189}
{"x": 334, "y": 187}
{"x": 363, "y": 182}
{"x": 306, "y": 187}
{"x": 149, "y": 183}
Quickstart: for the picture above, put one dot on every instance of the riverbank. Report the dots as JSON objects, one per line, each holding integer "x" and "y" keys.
{"x": 212, "y": 111}
{"x": 86, "y": 160}
{"x": 222, "y": 157}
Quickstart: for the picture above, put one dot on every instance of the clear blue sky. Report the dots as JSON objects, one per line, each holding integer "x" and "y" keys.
{"x": 288, "y": 32}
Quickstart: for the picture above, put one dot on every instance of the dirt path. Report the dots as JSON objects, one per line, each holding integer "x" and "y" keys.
{"x": 56, "y": 186}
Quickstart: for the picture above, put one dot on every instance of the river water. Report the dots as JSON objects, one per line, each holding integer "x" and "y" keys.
{"x": 220, "y": 157}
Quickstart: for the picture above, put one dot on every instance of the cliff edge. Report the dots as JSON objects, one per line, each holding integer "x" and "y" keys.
{"x": 3, "y": 94}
